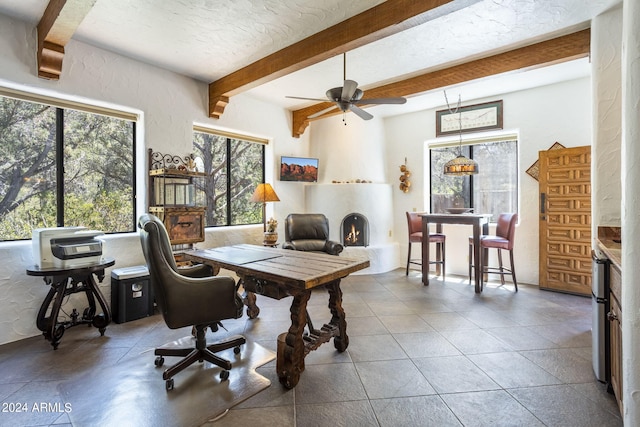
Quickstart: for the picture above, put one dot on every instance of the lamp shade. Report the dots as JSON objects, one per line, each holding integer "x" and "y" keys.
{"x": 264, "y": 193}
{"x": 461, "y": 166}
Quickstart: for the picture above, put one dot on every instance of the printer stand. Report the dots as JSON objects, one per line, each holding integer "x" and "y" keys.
{"x": 67, "y": 281}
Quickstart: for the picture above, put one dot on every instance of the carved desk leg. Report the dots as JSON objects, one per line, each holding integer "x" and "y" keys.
{"x": 290, "y": 360}
{"x": 338, "y": 318}
{"x": 248, "y": 297}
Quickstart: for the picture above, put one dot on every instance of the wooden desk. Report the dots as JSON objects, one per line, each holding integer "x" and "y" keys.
{"x": 279, "y": 273}
{"x": 67, "y": 281}
{"x": 477, "y": 220}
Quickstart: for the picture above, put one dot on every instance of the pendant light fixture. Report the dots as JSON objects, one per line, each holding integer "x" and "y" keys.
{"x": 460, "y": 166}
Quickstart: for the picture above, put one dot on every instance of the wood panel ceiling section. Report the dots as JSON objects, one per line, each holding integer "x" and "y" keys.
{"x": 60, "y": 20}
{"x": 385, "y": 19}
{"x": 557, "y": 50}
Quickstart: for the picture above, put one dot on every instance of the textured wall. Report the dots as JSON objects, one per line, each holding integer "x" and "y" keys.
{"x": 606, "y": 51}
{"x": 350, "y": 148}
{"x": 541, "y": 116}
{"x": 630, "y": 303}
{"x": 169, "y": 104}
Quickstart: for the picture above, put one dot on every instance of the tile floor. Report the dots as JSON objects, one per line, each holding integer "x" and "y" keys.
{"x": 418, "y": 356}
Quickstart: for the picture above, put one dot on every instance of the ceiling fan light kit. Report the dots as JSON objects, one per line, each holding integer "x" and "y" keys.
{"x": 348, "y": 97}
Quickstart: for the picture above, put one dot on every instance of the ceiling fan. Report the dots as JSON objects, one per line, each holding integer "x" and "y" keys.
{"x": 348, "y": 97}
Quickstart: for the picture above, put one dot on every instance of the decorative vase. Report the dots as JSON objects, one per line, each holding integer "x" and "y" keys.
{"x": 270, "y": 238}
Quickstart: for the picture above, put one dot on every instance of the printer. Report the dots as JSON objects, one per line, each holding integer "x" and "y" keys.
{"x": 66, "y": 247}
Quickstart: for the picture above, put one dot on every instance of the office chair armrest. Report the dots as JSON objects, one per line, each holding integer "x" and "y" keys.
{"x": 305, "y": 245}
{"x": 288, "y": 245}
{"x": 198, "y": 270}
{"x": 333, "y": 248}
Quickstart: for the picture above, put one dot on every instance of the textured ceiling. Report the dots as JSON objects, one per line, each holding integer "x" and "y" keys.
{"x": 208, "y": 39}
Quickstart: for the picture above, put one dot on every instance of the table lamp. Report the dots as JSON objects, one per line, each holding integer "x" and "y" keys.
{"x": 264, "y": 193}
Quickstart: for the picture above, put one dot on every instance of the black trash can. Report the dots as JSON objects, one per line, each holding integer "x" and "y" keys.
{"x": 131, "y": 294}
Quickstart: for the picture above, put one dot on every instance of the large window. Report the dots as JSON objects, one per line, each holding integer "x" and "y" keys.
{"x": 493, "y": 190}
{"x": 64, "y": 167}
{"x": 234, "y": 166}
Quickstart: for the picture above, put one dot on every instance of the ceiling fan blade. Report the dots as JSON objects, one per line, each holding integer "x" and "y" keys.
{"x": 319, "y": 113}
{"x": 348, "y": 90}
{"x": 381, "y": 101}
{"x": 307, "y": 99}
{"x": 361, "y": 113}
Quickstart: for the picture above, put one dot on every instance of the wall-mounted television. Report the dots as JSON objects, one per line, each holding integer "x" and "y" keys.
{"x": 298, "y": 169}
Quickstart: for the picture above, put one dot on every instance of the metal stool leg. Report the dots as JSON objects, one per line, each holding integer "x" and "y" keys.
{"x": 443, "y": 260}
{"x": 513, "y": 271}
{"x": 501, "y": 268}
{"x": 470, "y": 260}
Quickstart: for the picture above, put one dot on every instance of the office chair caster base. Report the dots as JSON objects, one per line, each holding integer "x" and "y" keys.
{"x": 159, "y": 361}
{"x": 169, "y": 384}
{"x": 224, "y": 375}
{"x": 236, "y": 350}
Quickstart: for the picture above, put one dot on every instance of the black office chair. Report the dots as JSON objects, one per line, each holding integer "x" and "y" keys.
{"x": 309, "y": 232}
{"x": 187, "y": 300}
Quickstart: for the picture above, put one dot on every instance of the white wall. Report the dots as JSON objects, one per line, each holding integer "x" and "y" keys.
{"x": 630, "y": 182}
{"x": 606, "y": 53}
{"x": 351, "y": 149}
{"x": 540, "y": 116}
{"x": 169, "y": 104}
{"x": 375, "y": 150}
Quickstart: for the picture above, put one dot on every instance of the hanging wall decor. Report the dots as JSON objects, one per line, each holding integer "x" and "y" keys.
{"x": 404, "y": 178}
{"x": 470, "y": 118}
{"x": 534, "y": 169}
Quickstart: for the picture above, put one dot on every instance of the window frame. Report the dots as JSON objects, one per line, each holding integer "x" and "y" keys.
{"x": 61, "y": 106}
{"x": 469, "y": 143}
{"x": 229, "y": 138}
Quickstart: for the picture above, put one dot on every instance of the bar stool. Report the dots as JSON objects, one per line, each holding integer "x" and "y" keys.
{"x": 504, "y": 239}
{"x": 415, "y": 236}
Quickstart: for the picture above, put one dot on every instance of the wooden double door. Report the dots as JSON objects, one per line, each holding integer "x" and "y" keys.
{"x": 565, "y": 220}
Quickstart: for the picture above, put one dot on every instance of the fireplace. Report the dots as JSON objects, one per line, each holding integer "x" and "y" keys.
{"x": 339, "y": 202}
{"x": 355, "y": 230}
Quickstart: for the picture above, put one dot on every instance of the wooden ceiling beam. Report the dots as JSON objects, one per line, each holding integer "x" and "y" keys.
{"x": 60, "y": 20}
{"x": 385, "y": 19}
{"x": 557, "y": 50}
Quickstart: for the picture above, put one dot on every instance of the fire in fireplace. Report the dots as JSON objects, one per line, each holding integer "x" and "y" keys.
{"x": 355, "y": 230}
